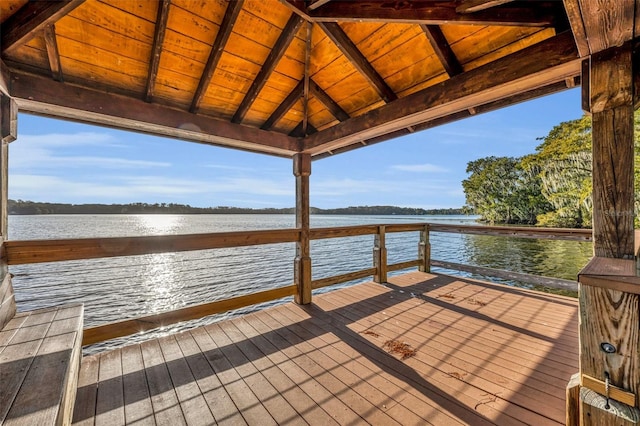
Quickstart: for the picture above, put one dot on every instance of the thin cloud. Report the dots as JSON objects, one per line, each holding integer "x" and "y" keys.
{"x": 68, "y": 139}
{"x": 419, "y": 168}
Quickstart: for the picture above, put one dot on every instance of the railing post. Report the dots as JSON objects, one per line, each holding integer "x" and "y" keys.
{"x": 424, "y": 250}
{"x": 302, "y": 264}
{"x": 380, "y": 256}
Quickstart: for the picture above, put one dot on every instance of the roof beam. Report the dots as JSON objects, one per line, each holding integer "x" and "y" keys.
{"x": 229, "y": 19}
{"x": 5, "y": 77}
{"x": 492, "y": 106}
{"x": 547, "y": 62}
{"x": 600, "y": 25}
{"x": 442, "y": 48}
{"x": 357, "y": 59}
{"x": 326, "y": 100}
{"x": 51, "y": 43}
{"x": 470, "y": 6}
{"x": 39, "y": 95}
{"x": 276, "y": 53}
{"x": 535, "y": 13}
{"x": 158, "y": 38}
{"x": 31, "y": 18}
{"x": 285, "y": 106}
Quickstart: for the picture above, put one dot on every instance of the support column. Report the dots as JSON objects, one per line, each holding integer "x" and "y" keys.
{"x": 8, "y": 133}
{"x": 380, "y": 256}
{"x": 302, "y": 265}
{"x": 609, "y": 311}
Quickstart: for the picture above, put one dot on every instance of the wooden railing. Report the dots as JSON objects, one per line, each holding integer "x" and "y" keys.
{"x": 37, "y": 251}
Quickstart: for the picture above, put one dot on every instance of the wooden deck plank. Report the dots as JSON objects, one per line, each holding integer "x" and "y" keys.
{"x": 455, "y": 372}
{"x": 477, "y": 339}
{"x": 281, "y": 411}
{"x": 192, "y": 402}
{"x": 304, "y": 405}
{"x": 340, "y": 412}
{"x": 325, "y": 355}
{"x": 110, "y": 398}
{"x": 485, "y": 355}
{"x": 137, "y": 400}
{"x": 242, "y": 395}
{"x": 166, "y": 407}
{"x": 356, "y": 404}
{"x": 355, "y": 393}
{"x": 476, "y": 322}
{"x": 222, "y": 406}
{"x": 84, "y": 411}
{"x": 453, "y": 354}
{"x": 14, "y": 358}
{"x": 356, "y": 357}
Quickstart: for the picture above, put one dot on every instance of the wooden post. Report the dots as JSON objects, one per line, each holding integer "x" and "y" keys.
{"x": 609, "y": 318}
{"x": 302, "y": 265}
{"x": 380, "y": 256}
{"x": 573, "y": 401}
{"x": 424, "y": 250}
{"x": 8, "y": 125}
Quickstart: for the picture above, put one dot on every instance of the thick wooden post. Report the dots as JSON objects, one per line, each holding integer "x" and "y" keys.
{"x": 302, "y": 265}
{"x": 8, "y": 126}
{"x": 380, "y": 256}
{"x": 424, "y": 250}
{"x": 609, "y": 315}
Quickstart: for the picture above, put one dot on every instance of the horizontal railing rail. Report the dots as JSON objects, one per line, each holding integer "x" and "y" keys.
{"x": 517, "y": 231}
{"x": 37, "y": 251}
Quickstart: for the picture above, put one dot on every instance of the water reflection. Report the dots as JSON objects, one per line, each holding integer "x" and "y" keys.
{"x": 159, "y": 224}
{"x": 160, "y": 283}
{"x": 560, "y": 259}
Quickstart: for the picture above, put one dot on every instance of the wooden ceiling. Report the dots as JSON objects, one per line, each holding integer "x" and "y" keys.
{"x": 282, "y": 77}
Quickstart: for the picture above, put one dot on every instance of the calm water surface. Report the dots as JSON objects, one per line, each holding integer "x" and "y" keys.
{"x": 118, "y": 288}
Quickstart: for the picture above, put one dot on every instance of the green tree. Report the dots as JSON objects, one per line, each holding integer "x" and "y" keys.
{"x": 501, "y": 190}
{"x": 564, "y": 163}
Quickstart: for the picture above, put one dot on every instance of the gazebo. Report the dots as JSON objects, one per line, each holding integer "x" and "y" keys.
{"x": 309, "y": 79}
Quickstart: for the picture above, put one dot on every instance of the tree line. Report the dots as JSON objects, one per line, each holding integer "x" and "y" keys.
{"x": 551, "y": 187}
{"x": 21, "y": 207}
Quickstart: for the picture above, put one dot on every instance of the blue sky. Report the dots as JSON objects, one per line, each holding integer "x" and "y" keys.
{"x": 60, "y": 161}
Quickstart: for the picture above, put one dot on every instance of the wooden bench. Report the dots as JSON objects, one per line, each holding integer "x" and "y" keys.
{"x": 40, "y": 355}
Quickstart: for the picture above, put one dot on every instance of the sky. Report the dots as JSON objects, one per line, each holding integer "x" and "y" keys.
{"x": 66, "y": 162}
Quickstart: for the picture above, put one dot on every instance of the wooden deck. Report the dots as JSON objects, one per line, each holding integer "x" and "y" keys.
{"x": 485, "y": 354}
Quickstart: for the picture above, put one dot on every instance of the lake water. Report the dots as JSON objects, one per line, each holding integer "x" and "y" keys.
{"x": 117, "y": 288}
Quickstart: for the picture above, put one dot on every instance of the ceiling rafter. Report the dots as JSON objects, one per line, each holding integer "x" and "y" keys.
{"x": 50, "y": 41}
{"x": 306, "y": 79}
{"x": 156, "y": 50}
{"x": 30, "y": 19}
{"x": 326, "y": 100}
{"x": 442, "y": 48}
{"x": 534, "y": 13}
{"x": 39, "y": 95}
{"x": 317, "y": 3}
{"x": 471, "y": 6}
{"x": 276, "y": 53}
{"x": 284, "y": 107}
{"x": 228, "y": 21}
{"x": 544, "y": 63}
{"x": 357, "y": 59}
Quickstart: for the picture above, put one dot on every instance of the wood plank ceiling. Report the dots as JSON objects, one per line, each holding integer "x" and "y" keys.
{"x": 282, "y": 77}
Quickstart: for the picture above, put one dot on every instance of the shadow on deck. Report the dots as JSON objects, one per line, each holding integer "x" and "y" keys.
{"x": 485, "y": 354}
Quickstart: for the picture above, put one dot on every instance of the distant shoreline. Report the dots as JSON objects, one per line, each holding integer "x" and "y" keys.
{"x": 21, "y": 207}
